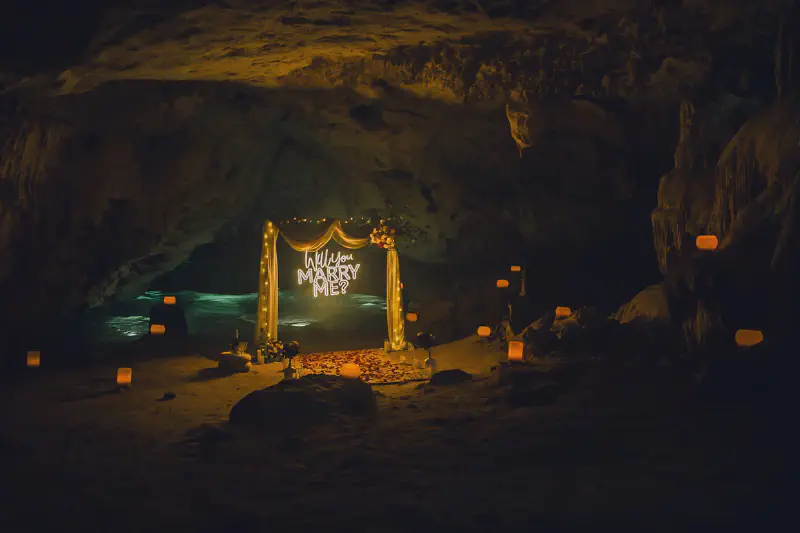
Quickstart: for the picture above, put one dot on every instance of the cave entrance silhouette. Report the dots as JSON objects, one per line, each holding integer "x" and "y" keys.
{"x": 267, "y": 311}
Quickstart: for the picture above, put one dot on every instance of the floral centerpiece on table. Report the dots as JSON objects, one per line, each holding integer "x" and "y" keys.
{"x": 383, "y": 236}
{"x": 291, "y": 350}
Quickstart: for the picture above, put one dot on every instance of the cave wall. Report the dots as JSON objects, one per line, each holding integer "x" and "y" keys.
{"x": 206, "y": 118}
{"x": 735, "y": 176}
{"x": 106, "y": 190}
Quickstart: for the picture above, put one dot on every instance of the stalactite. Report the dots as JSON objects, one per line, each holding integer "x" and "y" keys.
{"x": 683, "y": 156}
{"x": 738, "y": 181}
{"x": 700, "y": 329}
{"x": 26, "y": 156}
{"x": 518, "y": 123}
{"x": 788, "y": 238}
{"x": 668, "y": 231}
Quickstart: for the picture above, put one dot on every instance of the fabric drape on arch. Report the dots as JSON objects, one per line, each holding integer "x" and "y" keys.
{"x": 267, "y": 314}
{"x": 334, "y": 232}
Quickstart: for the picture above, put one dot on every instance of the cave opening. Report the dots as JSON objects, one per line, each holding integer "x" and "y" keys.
{"x": 540, "y": 170}
{"x": 197, "y": 164}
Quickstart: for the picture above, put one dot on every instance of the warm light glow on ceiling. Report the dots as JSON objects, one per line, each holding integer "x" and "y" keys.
{"x": 502, "y": 283}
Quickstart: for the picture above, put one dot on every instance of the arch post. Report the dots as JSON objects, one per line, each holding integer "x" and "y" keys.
{"x": 394, "y": 303}
{"x": 267, "y": 312}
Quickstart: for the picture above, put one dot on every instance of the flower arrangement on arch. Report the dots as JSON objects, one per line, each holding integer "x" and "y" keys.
{"x": 383, "y": 236}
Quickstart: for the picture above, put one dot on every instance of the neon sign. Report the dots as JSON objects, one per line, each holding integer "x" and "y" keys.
{"x": 329, "y": 274}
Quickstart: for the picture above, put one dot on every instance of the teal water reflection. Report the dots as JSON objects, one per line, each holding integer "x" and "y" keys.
{"x": 219, "y": 315}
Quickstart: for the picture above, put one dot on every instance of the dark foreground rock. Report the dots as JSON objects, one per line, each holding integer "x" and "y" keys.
{"x": 301, "y": 403}
{"x": 539, "y": 395}
{"x": 525, "y": 375}
{"x": 450, "y": 377}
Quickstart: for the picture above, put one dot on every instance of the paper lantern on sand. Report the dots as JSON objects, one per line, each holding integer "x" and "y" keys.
{"x": 707, "y": 242}
{"x": 748, "y": 337}
{"x": 502, "y": 283}
{"x": 484, "y": 331}
{"x": 412, "y": 317}
{"x": 516, "y": 268}
{"x": 563, "y": 312}
{"x": 34, "y": 359}
{"x": 157, "y": 329}
{"x": 124, "y": 376}
{"x": 350, "y": 370}
{"x": 515, "y": 350}
{"x": 170, "y": 300}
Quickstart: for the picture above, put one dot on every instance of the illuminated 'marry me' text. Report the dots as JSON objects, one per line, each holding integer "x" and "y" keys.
{"x": 329, "y": 274}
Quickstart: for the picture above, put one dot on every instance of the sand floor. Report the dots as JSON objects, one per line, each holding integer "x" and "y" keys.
{"x": 620, "y": 450}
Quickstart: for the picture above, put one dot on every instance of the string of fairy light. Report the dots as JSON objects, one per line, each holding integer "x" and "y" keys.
{"x": 364, "y": 221}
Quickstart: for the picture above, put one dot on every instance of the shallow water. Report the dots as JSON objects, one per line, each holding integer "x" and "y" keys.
{"x": 220, "y": 315}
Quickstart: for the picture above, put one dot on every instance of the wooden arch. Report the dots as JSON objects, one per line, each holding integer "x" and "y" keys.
{"x": 267, "y": 313}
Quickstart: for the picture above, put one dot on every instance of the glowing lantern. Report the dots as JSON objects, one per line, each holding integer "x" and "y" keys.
{"x": 515, "y": 350}
{"x": 516, "y": 268}
{"x": 170, "y": 300}
{"x": 157, "y": 329}
{"x": 749, "y": 337}
{"x": 707, "y": 242}
{"x": 34, "y": 359}
{"x": 350, "y": 370}
{"x": 502, "y": 283}
{"x": 563, "y": 312}
{"x": 412, "y": 317}
{"x": 124, "y": 376}
{"x": 484, "y": 331}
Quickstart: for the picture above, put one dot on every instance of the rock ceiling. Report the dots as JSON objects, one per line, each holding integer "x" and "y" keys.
{"x": 474, "y": 50}
{"x": 180, "y": 117}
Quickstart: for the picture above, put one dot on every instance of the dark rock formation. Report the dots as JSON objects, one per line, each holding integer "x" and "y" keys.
{"x": 537, "y": 396}
{"x": 749, "y": 282}
{"x": 650, "y": 304}
{"x": 450, "y": 377}
{"x": 299, "y": 404}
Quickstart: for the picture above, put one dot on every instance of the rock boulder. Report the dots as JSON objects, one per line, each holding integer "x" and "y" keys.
{"x": 296, "y": 405}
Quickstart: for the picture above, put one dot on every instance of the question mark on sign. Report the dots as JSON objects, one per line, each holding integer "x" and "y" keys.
{"x": 343, "y": 286}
